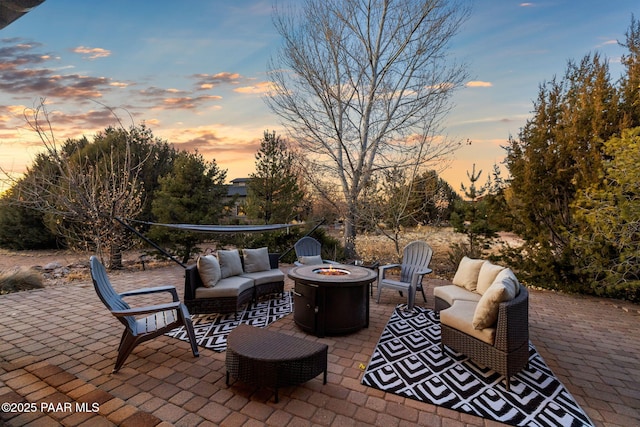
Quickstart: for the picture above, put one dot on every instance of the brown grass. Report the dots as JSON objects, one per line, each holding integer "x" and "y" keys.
{"x": 371, "y": 247}
{"x": 19, "y": 280}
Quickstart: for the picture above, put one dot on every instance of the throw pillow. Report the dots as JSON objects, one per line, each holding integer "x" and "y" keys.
{"x": 487, "y": 275}
{"x": 209, "y": 270}
{"x": 504, "y": 288}
{"x": 467, "y": 274}
{"x": 256, "y": 260}
{"x": 509, "y": 278}
{"x": 311, "y": 260}
{"x": 230, "y": 263}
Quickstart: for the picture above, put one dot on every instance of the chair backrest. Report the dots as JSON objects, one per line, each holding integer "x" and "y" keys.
{"x": 307, "y": 246}
{"x": 416, "y": 256}
{"x": 107, "y": 294}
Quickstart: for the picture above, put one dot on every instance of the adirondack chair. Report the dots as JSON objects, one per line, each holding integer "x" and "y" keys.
{"x": 309, "y": 247}
{"x": 161, "y": 318}
{"x": 416, "y": 257}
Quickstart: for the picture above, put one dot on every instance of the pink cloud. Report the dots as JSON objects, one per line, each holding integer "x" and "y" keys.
{"x": 92, "y": 52}
{"x": 478, "y": 83}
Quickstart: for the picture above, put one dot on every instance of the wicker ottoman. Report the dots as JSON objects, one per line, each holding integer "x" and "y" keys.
{"x": 267, "y": 358}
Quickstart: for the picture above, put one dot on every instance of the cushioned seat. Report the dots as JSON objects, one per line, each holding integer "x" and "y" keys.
{"x": 484, "y": 314}
{"x": 460, "y": 317}
{"x": 226, "y": 282}
{"x": 451, "y": 293}
{"x": 229, "y": 287}
{"x": 262, "y": 277}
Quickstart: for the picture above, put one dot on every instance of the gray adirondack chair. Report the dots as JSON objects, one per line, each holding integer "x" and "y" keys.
{"x": 158, "y": 319}
{"x": 416, "y": 257}
{"x": 308, "y": 246}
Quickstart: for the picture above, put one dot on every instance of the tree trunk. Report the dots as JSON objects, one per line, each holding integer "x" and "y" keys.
{"x": 115, "y": 258}
{"x": 350, "y": 232}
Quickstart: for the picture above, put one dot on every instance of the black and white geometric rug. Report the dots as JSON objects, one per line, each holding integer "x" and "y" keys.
{"x": 407, "y": 361}
{"x": 212, "y": 329}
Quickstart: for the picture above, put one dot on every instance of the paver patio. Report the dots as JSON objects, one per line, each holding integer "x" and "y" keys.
{"x": 58, "y": 346}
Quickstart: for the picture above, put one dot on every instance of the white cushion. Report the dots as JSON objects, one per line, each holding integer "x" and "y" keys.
{"x": 487, "y": 275}
{"x": 510, "y": 278}
{"x": 311, "y": 260}
{"x": 459, "y": 317}
{"x": 230, "y": 263}
{"x": 504, "y": 288}
{"x": 467, "y": 273}
{"x": 209, "y": 270}
{"x": 452, "y": 293}
{"x": 256, "y": 260}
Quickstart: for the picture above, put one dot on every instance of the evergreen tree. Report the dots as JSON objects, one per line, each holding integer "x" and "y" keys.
{"x": 23, "y": 228}
{"x": 274, "y": 194}
{"x": 609, "y": 241}
{"x": 471, "y": 217}
{"x": 558, "y": 152}
{"x": 192, "y": 193}
{"x": 630, "y": 82}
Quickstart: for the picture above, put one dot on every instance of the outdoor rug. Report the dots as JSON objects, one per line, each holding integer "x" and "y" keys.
{"x": 212, "y": 329}
{"x": 407, "y": 361}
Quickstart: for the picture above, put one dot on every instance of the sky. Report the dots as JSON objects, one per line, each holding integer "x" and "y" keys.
{"x": 194, "y": 71}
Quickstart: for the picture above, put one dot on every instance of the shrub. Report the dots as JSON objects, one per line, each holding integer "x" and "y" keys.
{"x": 19, "y": 280}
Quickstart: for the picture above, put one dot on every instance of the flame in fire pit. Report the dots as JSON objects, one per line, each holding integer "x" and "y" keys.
{"x": 331, "y": 271}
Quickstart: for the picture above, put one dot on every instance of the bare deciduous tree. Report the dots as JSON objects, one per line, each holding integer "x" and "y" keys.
{"x": 362, "y": 86}
{"x": 81, "y": 191}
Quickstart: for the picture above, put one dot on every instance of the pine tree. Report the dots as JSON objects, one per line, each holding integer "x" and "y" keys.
{"x": 471, "y": 217}
{"x": 192, "y": 193}
{"x": 273, "y": 193}
{"x": 630, "y": 82}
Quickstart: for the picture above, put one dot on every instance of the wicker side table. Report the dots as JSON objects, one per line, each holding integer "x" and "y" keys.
{"x": 272, "y": 359}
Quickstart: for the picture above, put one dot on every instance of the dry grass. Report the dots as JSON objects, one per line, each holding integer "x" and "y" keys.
{"x": 19, "y": 279}
{"x": 372, "y": 247}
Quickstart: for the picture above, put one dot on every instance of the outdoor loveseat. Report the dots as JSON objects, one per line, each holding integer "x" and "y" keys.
{"x": 484, "y": 314}
{"x": 223, "y": 283}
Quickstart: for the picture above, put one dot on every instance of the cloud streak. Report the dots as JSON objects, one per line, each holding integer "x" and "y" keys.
{"x": 92, "y": 52}
{"x": 478, "y": 83}
{"x": 209, "y": 81}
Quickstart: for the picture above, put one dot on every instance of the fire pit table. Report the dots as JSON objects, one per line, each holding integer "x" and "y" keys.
{"x": 331, "y": 299}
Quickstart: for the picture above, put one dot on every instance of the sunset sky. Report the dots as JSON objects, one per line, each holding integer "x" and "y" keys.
{"x": 195, "y": 71}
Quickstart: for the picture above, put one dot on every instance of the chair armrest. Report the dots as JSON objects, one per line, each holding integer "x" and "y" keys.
{"x": 145, "y": 291}
{"x": 512, "y": 326}
{"x": 147, "y": 309}
{"x": 382, "y": 270}
{"x": 274, "y": 260}
{"x": 417, "y": 275}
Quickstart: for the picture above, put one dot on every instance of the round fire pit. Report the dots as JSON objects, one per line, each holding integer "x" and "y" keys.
{"x": 331, "y": 271}
{"x": 331, "y": 299}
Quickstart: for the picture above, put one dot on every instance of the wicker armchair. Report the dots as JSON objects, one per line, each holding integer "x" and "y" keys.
{"x": 510, "y": 352}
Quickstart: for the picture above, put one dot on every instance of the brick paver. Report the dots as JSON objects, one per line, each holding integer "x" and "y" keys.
{"x": 58, "y": 345}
